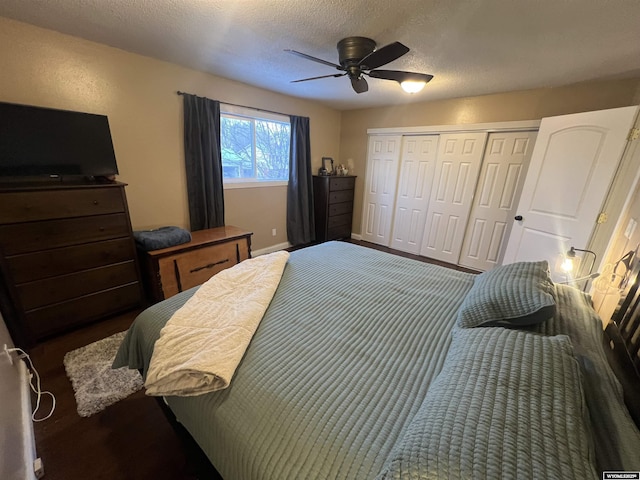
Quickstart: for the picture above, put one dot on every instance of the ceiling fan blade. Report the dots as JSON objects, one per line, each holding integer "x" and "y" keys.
{"x": 321, "y": 76}
{"x": 400, "y": 76}
{"x": 359, "y": 84}
{"x": 314, "y": 59}
{"x": 383, "y": 55}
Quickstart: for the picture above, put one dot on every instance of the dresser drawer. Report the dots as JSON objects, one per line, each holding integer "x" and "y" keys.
{"x": 344, "y": 219}
{"x": 45, "y": 205}
{"x": 60, "y": 316}
{"x": 66, "y": 287}
{"x": 340, "y": 208}
{"x": 61, "y": 261}
{"x": 341, "y": 183}
{"x": 339, "y": 231}
{"x": 192, "y": 268}
{"x": 341, "y": 196}
{"x": 34, "y": 236}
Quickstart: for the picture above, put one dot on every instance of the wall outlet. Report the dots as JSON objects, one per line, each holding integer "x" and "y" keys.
{"x": 273, "y": 232}
{"x": 631, "y": 228}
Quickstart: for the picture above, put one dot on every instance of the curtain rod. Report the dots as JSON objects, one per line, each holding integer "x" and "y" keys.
{"x": 242, "y": 106}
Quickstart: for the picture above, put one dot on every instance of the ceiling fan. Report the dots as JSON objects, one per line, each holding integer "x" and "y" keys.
{"x": 358, "y": 57}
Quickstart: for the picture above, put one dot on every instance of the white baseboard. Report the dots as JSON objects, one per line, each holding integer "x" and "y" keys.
{"x": 271, "y": 249}
{"x": 284, "y": 245}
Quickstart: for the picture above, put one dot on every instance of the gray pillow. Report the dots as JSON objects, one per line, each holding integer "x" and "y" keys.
{"x": 506, "y": 404}
{"x": 515, "y": 295}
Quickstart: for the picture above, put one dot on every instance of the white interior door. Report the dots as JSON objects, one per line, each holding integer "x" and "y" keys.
{"x": 504, "y": 167}
{"x": 380, "y": 188}
{"x": 456, "y": 174}
{"x": 417, "y": 164}
{"x": 571, "y": 168}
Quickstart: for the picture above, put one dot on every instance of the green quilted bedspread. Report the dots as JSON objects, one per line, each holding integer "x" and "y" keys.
{"x": 339, "y": 365}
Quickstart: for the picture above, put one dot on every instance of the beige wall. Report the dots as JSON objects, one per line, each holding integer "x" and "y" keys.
{"x": 514, "y": 106}
{"x": 42, "y": 67}
{"x": 45, "y": 68}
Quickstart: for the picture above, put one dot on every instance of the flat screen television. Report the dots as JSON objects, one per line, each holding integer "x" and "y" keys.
{"x": 37, "y": 141}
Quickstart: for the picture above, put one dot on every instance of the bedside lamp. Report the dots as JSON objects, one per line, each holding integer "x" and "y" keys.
{"x": 568, "y": 266}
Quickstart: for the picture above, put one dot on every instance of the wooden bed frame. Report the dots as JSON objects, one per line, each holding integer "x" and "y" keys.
{"x": 622, "y": 339}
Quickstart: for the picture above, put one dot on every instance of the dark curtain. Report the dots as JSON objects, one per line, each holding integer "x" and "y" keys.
{"x": 203, "y": 162}
{"x": 300, "y": 219}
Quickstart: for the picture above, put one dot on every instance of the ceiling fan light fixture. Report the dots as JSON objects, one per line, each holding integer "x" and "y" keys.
{"x": 412, "y": 86}
{"x": 358, "y": 57}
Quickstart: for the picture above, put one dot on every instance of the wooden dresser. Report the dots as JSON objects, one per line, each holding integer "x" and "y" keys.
{"x": 68, "y": 256}
{"x": 333, "y": 206}
{"x": 172, "y": 270}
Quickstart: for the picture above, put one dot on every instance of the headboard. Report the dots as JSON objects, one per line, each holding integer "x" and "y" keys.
{"x": 622, "y": 336}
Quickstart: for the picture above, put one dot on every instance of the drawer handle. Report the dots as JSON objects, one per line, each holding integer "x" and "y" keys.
{"x": 95, "y": 202}
{"x": 211, "y": 265}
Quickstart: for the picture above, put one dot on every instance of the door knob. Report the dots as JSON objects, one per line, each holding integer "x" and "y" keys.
{"x": 518, "y": 218}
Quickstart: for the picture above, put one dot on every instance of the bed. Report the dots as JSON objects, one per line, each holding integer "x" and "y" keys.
{"x": 370, "y": 365}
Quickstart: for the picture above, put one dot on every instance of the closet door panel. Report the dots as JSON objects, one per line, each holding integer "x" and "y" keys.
{"x": 380, "y": 188}
{"x": 504, "y": 168}
{"x": 456, "y": 172}
{"x": 417, "y": 165}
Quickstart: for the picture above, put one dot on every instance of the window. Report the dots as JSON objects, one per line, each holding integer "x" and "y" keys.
{"x": 254, "y": 144}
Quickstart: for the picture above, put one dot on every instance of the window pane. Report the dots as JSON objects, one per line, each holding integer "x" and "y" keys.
{"x": 236, "y": 139}
{"x": 254, "y": 148}
{"x": 272, "y": 150}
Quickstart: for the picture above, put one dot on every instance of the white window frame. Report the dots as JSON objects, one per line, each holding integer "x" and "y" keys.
{"x": 246, "y": 112}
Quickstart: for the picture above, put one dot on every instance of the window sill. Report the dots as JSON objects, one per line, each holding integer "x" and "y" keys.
{"x": 268, "y": 183}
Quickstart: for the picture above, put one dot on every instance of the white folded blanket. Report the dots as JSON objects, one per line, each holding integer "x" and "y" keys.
{"x": 203, "y": 342}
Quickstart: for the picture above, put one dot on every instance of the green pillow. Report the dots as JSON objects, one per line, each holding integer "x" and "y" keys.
{"x": 512, "y": 295}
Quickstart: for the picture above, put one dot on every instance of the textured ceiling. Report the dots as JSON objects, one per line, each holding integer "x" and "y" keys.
{"x": 472, "y": 47}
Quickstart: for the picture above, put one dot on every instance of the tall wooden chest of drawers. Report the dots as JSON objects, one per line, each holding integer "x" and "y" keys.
{"x": 333, "y": 206}
{"x": 174, "y": 269}
{"x": 68, "y": 256}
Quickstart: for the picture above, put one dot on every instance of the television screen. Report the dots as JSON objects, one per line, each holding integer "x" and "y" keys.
{"x": 43, "y": 141}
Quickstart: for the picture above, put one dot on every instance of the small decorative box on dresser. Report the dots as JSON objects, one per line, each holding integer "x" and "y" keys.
{"x": 333, "y": 200}
{"x": 68, "y": 256}
{"x": 172, "y": 270}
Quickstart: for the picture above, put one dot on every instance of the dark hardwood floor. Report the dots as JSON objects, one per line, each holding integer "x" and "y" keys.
{"x": 131, "y": 440}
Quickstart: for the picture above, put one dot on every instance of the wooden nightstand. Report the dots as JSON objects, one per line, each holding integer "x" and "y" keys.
{"x": 172, "y": 270}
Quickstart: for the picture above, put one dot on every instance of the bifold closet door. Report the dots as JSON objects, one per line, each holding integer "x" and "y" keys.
{"x": 456, "y": 174}
{"x": 380, "y": 188}
{"x": 417, "y": 165}
{"x": 502, "y": 175}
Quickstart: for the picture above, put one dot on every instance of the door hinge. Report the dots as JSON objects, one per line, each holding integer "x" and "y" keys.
{"x": 602, "y": 218}
{"x": 634, "y": 134}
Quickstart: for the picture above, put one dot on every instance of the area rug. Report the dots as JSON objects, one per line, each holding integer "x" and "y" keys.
{"x": 95, "y": 384}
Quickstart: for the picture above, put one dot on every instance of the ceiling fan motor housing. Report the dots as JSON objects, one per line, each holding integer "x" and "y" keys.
{"x": 353, "y": 49}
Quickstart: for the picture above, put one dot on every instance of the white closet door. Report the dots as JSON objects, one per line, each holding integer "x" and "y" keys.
{"x": 504, "y": 167}
{"x": 380, "y": 188}
{"x": 417, "y": 165}
{"x": 572, "y": 165}
{"x": 456, "y": 175}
